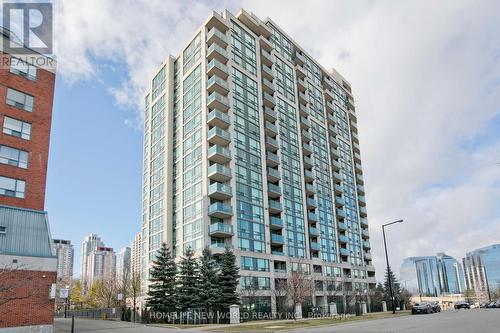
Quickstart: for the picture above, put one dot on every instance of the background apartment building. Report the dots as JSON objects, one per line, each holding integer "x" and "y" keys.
{"x": 482, "y": 270}
{"x": 28, "y": 267}
{"x": 135, "y": 255}
{"x": 250, "y": 143}
{"x": 89, "y": 244}
{"x": 123, "y": 264}
{"x": 432, "y": 275}
{"x": 65, "y": 256}
{"x": 101, "y": 265}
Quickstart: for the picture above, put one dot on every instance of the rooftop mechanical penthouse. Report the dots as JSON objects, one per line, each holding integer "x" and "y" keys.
{"x": 250, "y": 143}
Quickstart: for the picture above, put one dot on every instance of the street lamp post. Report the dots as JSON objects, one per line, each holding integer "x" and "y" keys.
{"x": 387, "y": 262}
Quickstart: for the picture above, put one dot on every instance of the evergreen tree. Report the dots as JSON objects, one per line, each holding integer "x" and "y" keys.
{"x": 161, "y": 293}
{"x": 209, "y": 293}
{"x": 396, "y": 289}
{"x": 188, "y": 282}
{"x": 228, "y": 280}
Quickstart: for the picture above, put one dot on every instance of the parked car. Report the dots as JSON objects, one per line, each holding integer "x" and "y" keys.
{"x": 493, "y": 304}
{"x": 422, "y": 307}
{"x": 436, "y": 307}
{"x": 462, "y": 305}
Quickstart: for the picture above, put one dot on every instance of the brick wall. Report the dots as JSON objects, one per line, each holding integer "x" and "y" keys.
{"x": 24, "y": 298}
{"x": 38, "y": 147}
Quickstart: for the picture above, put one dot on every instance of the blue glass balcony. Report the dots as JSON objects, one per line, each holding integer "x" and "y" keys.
{"x": 344, "y": 252}
{"x": 215, "y": 51}
{"x": 362, "y": 211}
{"x": 311, "y": 203}
{"x": 274, "y": 191}
{"x": 220, "y": 230}
{"x": 343, "y": 239}
{"x": 215, "y": 67}
{"x": 267, "y": 72}
{"x": 273, "y": 174}
{"x": 342, "y": 226}
{"x": 366, "y": 245}
{"x": 217, "y": 101}
{"x": 217, "y": 84}
{"x": 312, "y": 217}
{"x": 219, "y": 173}
{"x": 275, "y": 222}
{"x": 220, "y": 210}
{"x": 314, "y": 231}
{"x": 218, "y": 136}
{"x": 315, "y": 246}
{"x": 218, "y": 118}
{"x": 365, "y": 234}
{"x": 272, "y": 159}
{"x": 219, "y": 154}
{"x": 341, "y": 213}
{"x": 275, "y": 206}
{"x": 270, "y": 114}
{"x": 215, "y": 36}
{"x": 220, "y": 191}
{"x": 277, "y": 239}
{"x": 364, "y": 222}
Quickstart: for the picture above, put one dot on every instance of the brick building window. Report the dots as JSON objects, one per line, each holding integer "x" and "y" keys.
{"x": 13, "y": 156}
{"x": 12, "y": 187}
{"x": 21, "y": 68}
{"x": 20, "y": 100}
{"x": 17, "y": 128}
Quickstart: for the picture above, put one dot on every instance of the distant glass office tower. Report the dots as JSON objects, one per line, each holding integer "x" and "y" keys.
{"x": 482, "y": 270}
{"x": 432, "y": 275}
{"x": 250, "y": 143}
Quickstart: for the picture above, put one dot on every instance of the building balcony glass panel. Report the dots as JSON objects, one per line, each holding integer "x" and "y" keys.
{"x": 305, "y": 123}
{"x": 362, "y": 211}
{"x": 219, "y": 154}
{"x": 364, "y": 222}
{"x": 270, "y": 114}
{"x": 333, "y": 130}
{"x": 315, "y": 246}
{"x": 275, "y": 206}
{"x": 269, "y": 100}
{"x": 328, "y": 95}
{"x": 215, "y": 67}
{"x": 306, "y": 136}
{"x": 219, "y": 173}
{"x": 304, "y": 111}
{"x": 312, "y": 217}
{"x": 220, "y": 230}
{"x": 310, "y": 189}
{"x": 344, "y": 252}
{"x": 336, "y": 177}
{"x": 220, "y": 191}
{"x": 220, "y": 210}
{"x": 308, "y": 163}
{"x": 368, "y": 256}
{"x": 366, "y": 245}
{"x": 342, "y": 226}
{"x": 299, "y": 58}
{"x": 219, "y": 136}
{"x": 341, "y": 213}
{"x": 301, "y": 84}
{"x": 302, "y": 97}
{"x": 217, "y": 101}
{"x": 267, "y": 72}
{"x": 338, "y": 189}
{"x": 217, "y": 84}
{"x": 361, "y": 200}
{"x": 272, "y": 159}
{"x": 335, "y": 165}
{"x": 216, "y": 36}
{"x": 306, "y": 149}
{"x": 365, "y": 234}
{"x": 358, "y": 168}
{"x": 357, "y": 157}
{"x": 343, "y": 239}
{"x": 329, "y": 106}
{"x": 218, "y": 118}
{"x": 268, "y": 86}
{"x": 217, "y": 52}
{"x": 273, "y": 174}
{"x": 275, "y": 222}
{"x": 314, "y": 231}
{"x": 311, "y": 203}
{"x": 355, "y": 147}
{"x": 266, "y": 57}
{"x": 274, "y": 191}
{"x": 308, "y": 175}
{"x": 339, "y": 201}
{"x": 301, "y": 72}
{"x": 334, "y": 142}
{"x": 278, "y": 253}
{"x": 270, "y": 129}
{"x": 361, "y": 189}
{"x": 359, "y": 179}
{"x": 277, "y": 239}
{"x": 271, "y": 144}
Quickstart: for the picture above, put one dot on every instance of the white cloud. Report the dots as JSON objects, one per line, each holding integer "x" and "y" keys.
{"x": 425, "y": 77}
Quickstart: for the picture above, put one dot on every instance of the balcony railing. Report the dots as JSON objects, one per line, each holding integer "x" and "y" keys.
{"x": 218, "y": 118}
{"x": 277, "y": 239}
{"x": 220, "y": 210}
{"x": 219, "y": 172}
{"x": 219, "y": 136}
{"x": 219, "y": 191}
{"x": 220, "y": 229}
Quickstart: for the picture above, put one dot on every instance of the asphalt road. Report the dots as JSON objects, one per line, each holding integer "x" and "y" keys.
{"x": 452, "y": 321}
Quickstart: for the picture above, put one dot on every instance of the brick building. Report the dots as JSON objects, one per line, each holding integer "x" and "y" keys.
{"x": 28, "y": 266}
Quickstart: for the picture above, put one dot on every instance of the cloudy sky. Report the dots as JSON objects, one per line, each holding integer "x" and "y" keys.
{"x": 425, "y": 76}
